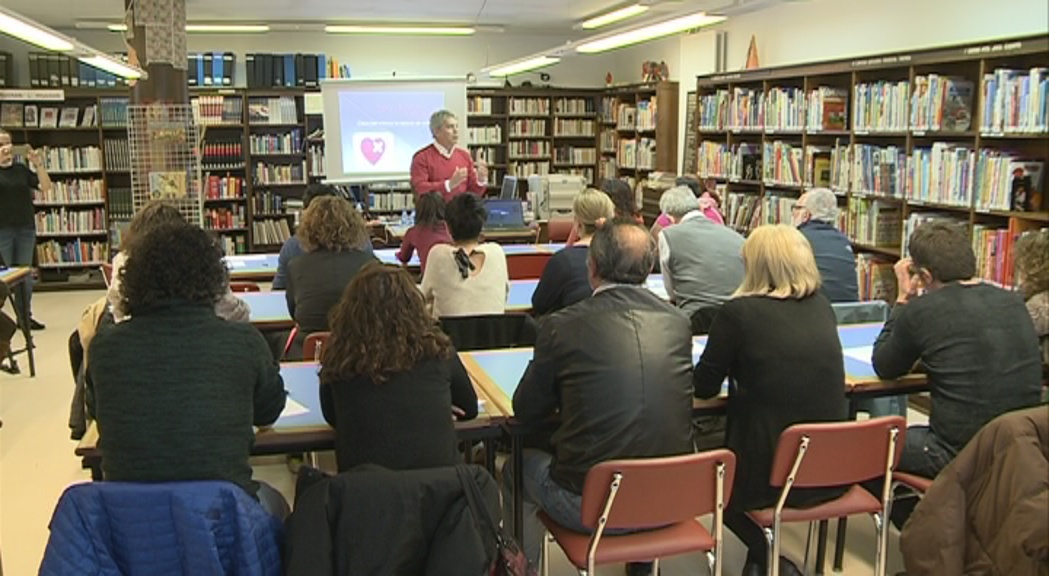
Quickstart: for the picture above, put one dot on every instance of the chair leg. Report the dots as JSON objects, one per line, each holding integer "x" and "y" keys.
{"x": 655, "y": 567}
{"x": 808, "y": 545}
{"x": 881, "y": 531}
{"x": 546, "y": 553}
{"x": 772, "y": 568}
{"x": 711, "y": 565}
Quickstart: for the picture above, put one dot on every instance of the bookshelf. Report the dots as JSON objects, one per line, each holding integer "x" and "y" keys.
{"x": 900, "y": 138}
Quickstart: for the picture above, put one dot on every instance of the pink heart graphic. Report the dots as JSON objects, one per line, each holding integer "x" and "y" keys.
{"x": 373, "y": 149}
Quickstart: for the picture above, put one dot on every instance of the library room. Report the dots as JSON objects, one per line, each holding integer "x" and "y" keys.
{"x": 296, "y": 288}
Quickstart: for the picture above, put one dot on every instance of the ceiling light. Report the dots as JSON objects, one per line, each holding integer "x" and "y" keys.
{"x": 614, "y": 16}
{"x": 650, "y": 32}
{"x": 407, "y": 30}
{"x": 227, "y": 28}
{"x": 523, "y": 66}
{"x": 25, "y": 29}
{"x": 112, "y": 65}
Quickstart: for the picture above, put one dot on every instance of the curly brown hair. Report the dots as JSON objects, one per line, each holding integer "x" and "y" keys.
{"x": 331, "y": 223}
{"x": 380, "y": 328}
{"x": 175, "y": 262}
{"x": 1032, "y": 262}
{"x": 153, "y": 214}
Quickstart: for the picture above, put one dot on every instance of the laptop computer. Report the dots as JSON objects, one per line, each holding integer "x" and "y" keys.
{"x": 509, "y": 189}
{"x": 504, "y": 215}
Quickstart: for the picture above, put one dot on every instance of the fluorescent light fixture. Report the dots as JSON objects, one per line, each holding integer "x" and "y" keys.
{"x": 116, "y": 27}
{"x": 227, "y": 28}
{"x": 614, "y": 16}
{"x": 523, "y": 66}
{"x": 400, "y": 30}
{"x": 26, "y": 30}
{"x": 649, "y": 32}
{"x": 112, "y": 65}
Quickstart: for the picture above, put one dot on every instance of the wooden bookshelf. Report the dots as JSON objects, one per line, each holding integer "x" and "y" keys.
{"x": 752, "y": 114}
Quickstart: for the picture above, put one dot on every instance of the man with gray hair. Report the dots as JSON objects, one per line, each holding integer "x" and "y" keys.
{"x": 702, "y": 261}
{"x": 442, "y": 167}
{"x": 815, "y": 215}
{"x": 615, "y": 372}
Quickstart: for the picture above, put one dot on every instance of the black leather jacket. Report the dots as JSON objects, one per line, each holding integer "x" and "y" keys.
{"x": 618, "y": 368}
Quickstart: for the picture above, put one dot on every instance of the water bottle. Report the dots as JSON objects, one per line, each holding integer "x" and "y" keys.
{"x": 404, "y": 218}
{"x": 411, "y": 218}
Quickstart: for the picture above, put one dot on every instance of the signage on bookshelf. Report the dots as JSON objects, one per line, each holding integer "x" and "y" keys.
{"x": 991, "y": 48}
{"x": 37, "y": 95}
{"x": 881, "y": 61}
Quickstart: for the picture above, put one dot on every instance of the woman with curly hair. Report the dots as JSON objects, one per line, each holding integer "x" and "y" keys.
{"x": 1032, "y": 272}
{"x": 175, "y": 389}
{"x": 390, "y": 379}
{"x": 153, "y": 215}
{"x": 467, "y": 277}
{"x": 332, "y": 233}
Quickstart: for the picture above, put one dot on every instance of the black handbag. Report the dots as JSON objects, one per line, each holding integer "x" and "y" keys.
{"x": 510, "y": 559}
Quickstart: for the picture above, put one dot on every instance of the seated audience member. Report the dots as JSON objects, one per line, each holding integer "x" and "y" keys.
{"x": 332, "y": 233}
{"x": 153, "y": 215}
{"x": 390, "y": 379}
{"x": 175, "y": 390}
{"x": 467, "y": 277}
{"x": 700, "y": 259}
{"x": 777, "y": 342}
{"x": 623, "y": 200}
{"x": 292, "y": 247}
{"x": 815, "y": 215}
{"x": 617, "y": 369}
{"x": 976, "y": 343}
{"x": 430, "y": 229}
{"x": 708, "y": 201}
{"x": 565, "y": 279}
{"x": 1032, "y": 270}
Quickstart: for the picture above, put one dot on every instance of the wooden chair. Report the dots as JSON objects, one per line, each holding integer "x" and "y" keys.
{"x": 526, "y": 266}
{"x": 637, "y": 494}
{"x": 313, "y": 345}
{"x": 244, "y": 287}
{"x": 826, "y": 455}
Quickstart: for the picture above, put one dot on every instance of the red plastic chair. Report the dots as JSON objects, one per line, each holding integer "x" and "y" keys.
{"x": 313, "y": 345}
{"x": 632, "y": 494}
{"x": 244, "y": 287}
{"x": 827, "y": 455}
{"x": 526, "y": 266}
{"x": 558, "y": 229}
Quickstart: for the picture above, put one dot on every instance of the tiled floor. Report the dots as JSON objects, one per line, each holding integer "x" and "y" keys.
{"x": 37, "y": 461}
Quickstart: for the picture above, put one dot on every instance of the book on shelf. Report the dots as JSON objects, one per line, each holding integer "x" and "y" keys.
{"x": 210, "y": 69}
{"x": 879, "y": 171}
{"x": 840, "y": 167}
{"x": 942, "y": 174}
{"x": 1015, "y": 101}
{"x": 875, "y": 277}
{"x": 817, "y": 167}
{"x": 32, "y": 116}
{"x": 828, "y": 109}
{"x": 747, "y": 109}
{"x": 916, "y": 219}
{"x": 277, "y": 110}
{"x": 784, "y": 109}
{"x": 71, "y": 191}
{"x": 647, "y": 114}
{"x": 69, "y": 117}
{"x": 12, "y": 114}
{"x": 89, "y": 119}
{"x": 746, "y": 162}
{"x": 714, "y": 110}
{"x": 271, "y": 231}
{"x": 941, "y": 103}
{"x": 713, "y": 160}
{"x": 479, "y": 105}
{"x": 529, "y": 106}
{"x": 778, "y": 209}
{"x": 992, "y": 246}
{"x": 873, "y": 223}
{"x": 782, "y": 163}
{"x": 743, "y": 211}
{"x": 881, "y": 106}
{"x": 49, "y": 117}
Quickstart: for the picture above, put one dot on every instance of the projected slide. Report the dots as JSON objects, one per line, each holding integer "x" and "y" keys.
{"x": 380, "y": 131}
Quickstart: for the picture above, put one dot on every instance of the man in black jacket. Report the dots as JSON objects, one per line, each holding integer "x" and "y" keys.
{"x": 815, "y": 215}
{"x": 616, "y": 368}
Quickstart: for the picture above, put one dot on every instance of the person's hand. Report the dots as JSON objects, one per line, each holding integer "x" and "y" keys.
{"x": 33, "y": 156}
{"x": 458, "y": 177}
{"x": 482, "y": 171}
{"x": 906, "y": 286}
{"x": 457, "y": 413}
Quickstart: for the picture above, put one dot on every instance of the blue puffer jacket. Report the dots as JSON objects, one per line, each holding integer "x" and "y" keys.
{"x": 198, "y": 528}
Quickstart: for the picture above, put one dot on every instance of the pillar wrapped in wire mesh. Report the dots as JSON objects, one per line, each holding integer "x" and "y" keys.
{"x": 165, "y": 157}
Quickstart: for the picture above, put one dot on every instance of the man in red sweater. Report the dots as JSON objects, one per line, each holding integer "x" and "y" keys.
{"x": 443, "y": 168}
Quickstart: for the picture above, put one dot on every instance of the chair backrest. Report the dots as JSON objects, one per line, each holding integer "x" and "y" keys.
{"x": 838, "y": 453}
{"x": 244, "y": 287}
{"x": 526, "y": 266}
{"x": 312, "y": 347}
{"x": 861, "y": 312}
{"x": 657, "y": 491}
{"x": 559, "y": 229}
{"x": 489, "y": 332}
{"x": 107, "y": 273}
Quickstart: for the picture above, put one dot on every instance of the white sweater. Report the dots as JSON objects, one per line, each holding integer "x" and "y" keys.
{"x": 483, "y": 292}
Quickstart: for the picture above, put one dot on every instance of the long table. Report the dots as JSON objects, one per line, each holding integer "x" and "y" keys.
{"x": 389, "y": 255}
{"x": 252, "y": 267}
{"x": 17, "y": 278}
{"x": 302, "y": 428}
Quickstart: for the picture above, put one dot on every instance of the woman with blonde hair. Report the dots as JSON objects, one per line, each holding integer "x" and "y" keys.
{"x": 332, "y": 234}
{"x": 564, "y": 281}
{"x": 777, "y": 342}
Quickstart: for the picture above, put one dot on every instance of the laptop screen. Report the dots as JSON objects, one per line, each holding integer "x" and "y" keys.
{"x": 509, "y": 190}
{"x": 504, "y": 214}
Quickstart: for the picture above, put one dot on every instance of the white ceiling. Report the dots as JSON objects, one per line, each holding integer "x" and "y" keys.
{"x": 551, "y": 16}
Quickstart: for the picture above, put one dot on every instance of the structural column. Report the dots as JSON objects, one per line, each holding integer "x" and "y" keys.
{"x": 156, "y": 39}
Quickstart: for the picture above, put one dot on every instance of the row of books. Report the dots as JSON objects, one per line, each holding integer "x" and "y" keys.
{"x": 224, "y": 187}
{"x": 315, "y": 159}
{"x": 608, "y": 167}
{"x": 575, "y": 106}
{"x": 873, "y": 222}
{"x": 529, "y": 106}
{"x": 880, "y": 106}
{"x": 487, "y": 153}
{"x": 118, "y": 155}
{"x": 213, "y": 110}
{"x": 225, "y": 218}
{"x": 778, "y": 209}
{"x": 784, "y": 109}
{"x": 572, "y": 127}
{"x": 271, "y": 231}
{"x": 586, "y": 173}
{"x": 879, "y": 171}
{"x": 67, "y": 159}
{"x": 824, "y": 108}
{"x": 573, "y": 155}
{"x": 941, "y": 103}
{"x": 113, "y": 112}
{"x": 626, "y": 117}
{"x": 121, "y": 203}
{"x": 827, "y": 109}
{"x": 782, "y": 163}
{"x": 1015, "y": 101}
{"x": 528, "y": 128}
{"x": 223, "y": 152}
{"x": 528, "y": 149}
{"x": 51, "y": 70}
{"x": 54, "y": 253}
{"x": 287, "y": 143}
{"x": 608, "y": 141}
{"x": 480, "y": 105}
{"x": 68, "y": 221}
{"x": 1006, "y": 182}
{"x": 234, "y": 245}
{"x": 742, "y": 211}
{"x": 267, "y": 203}
{"x": 992, "y": 247}
{"x": 526, "y": 169}
{"x": 485, "y": 134}
{"x": 280, "y": 174}
{"x": 290, "y": 70}
{"x": 71, "y": 191}
{"x": 210, "y": 68}
{"x": 639, "y": 153}
{"x": 391, "y": 202}
{"x": 875, "y": 277}
{"x": 746, "y": 110}
{"x": 916, "y": 219}
{"x": 277, "y": 110}
{"x": 942, "y": 174}
{"x": 647, "y": 114}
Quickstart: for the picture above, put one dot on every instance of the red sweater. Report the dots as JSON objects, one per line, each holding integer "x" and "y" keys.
{"x": 430, "y": 169}
{"x": 422, "y": 239}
